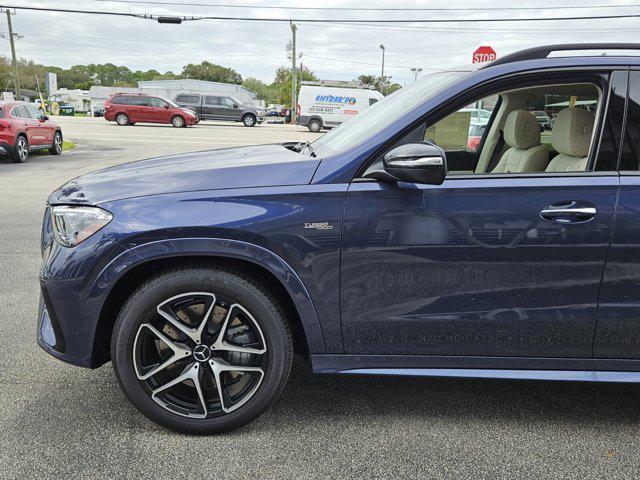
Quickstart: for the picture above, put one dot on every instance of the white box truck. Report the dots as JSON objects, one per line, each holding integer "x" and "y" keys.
{"x": 326, "y": 107}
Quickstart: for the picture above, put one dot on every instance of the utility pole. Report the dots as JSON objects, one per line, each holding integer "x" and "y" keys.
{"x": 294, "y": 74}
{"x": 13, "y": 55}
{"x": 382, "y": 76}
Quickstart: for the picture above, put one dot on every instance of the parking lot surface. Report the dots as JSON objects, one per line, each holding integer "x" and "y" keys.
{"x": 59, "y": 421}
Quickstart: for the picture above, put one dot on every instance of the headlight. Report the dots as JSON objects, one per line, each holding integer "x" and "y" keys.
{"x": 72, "y": 225}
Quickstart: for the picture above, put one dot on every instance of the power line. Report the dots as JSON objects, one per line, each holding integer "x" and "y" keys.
{"x": 324, "y": 20}
{"x": 518, "y": 31}
{"x": 367, "y": 9}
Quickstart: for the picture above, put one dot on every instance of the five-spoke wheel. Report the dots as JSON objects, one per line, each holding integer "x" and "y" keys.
{"x": 192, "y": 359}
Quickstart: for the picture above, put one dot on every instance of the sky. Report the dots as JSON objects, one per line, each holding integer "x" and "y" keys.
{"x": 332, "y": 50}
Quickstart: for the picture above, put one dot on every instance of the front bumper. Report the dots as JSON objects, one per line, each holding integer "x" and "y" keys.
{"x": 72, "y": 295}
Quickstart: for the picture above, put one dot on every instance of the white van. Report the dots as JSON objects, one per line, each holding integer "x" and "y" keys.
{"x": 327, "y": 107}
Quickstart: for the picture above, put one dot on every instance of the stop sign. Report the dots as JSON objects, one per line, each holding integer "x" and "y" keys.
{"x": 484, "y": 53}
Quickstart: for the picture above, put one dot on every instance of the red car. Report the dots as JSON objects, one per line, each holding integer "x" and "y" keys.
{"x": 130, "y": 108}
{"x": 24, "y": 128}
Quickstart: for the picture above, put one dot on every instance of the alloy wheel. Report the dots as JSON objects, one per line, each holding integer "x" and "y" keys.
{"x": 178, "y": 121}
{"x": 57, "y": 143}
{"x": 200, "y": 355}
{"x": 23, "y": 149}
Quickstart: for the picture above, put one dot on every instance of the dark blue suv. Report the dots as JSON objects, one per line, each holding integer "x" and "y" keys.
{"x": 391, "y": 245}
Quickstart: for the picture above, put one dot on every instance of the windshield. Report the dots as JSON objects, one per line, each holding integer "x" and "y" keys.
{"x": 171, "y": 103}
{"x": 383, "y": 113}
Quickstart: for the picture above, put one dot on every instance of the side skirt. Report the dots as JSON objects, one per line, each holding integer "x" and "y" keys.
{"x": 525, "y": 368}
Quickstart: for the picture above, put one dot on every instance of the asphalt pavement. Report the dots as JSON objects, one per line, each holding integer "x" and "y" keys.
{"x": 60, "y": 421}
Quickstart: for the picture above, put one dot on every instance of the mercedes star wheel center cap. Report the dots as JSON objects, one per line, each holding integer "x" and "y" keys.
{"x": 201, "y": 353}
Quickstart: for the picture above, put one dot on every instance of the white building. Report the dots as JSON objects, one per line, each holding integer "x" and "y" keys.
{"x": 171, "y": 88}
{"x": 78, "y": 99}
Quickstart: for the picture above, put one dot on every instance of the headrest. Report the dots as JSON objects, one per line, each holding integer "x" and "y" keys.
{"x": 572, "y": 131}
{"x": 522, "y": 130}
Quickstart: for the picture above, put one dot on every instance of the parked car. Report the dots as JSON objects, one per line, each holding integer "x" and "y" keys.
{"x": 24, "y": 129}
{"x": 221, "y": 107}
{"x": 131, "y": 108}
{"x": 476, "y": 130}
{"x": 98, "y": 111}
{"x": 365, "y": 252}
{"x": 543, "y": 119}
{"x": 477, "y": 114}
{"x": 327, "y": 107}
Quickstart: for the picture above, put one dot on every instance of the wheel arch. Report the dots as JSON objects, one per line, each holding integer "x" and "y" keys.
{"x": 267, "y": 267}
{"x": 21, "y": 133}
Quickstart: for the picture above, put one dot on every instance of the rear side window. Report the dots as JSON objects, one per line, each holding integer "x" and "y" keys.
{"x": 212, "y": 100}
{"x": 20, "y": 112}
{"x": 188, "y": 99}
{"x": 120, "y": 100}
{"x": 140, "y": 101}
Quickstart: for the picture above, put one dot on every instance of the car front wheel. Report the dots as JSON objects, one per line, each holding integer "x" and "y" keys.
{"x": 249, "y": 120}
{"x": 202, "y": 350}
{"x": 177, "y": 121}
{"x": 56, "y": 148}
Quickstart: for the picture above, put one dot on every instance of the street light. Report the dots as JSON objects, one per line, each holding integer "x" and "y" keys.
{"x": 415, "y": 71}
{"x": 382, "y": 76}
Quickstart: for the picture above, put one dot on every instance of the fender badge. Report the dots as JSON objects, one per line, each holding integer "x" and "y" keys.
{"x": 318, "y": 225}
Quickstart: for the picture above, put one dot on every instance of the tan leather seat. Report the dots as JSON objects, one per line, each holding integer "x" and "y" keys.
{"x": 526, "y": 154}
{"x": 571, "y": 138}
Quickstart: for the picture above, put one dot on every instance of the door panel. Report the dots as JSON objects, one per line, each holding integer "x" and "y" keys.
{"x": 471, "y": 268}
{"x": 618, "y": 332}
{"x": 210, "y": 106}
{"x": 29, "y": 125}
{"x": 227, "y": 111}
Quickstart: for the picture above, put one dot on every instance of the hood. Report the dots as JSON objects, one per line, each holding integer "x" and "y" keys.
{"x": 255, "y": 166}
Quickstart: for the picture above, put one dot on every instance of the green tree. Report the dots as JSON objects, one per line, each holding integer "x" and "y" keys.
{"x": 367, "y": 79}
{"x": 211, "y": 72}
{"x": 263, "y": 91}
{"x": 392, "y": 88}
{"x": 282, "y": 83}
{"x": 389, "y": 87}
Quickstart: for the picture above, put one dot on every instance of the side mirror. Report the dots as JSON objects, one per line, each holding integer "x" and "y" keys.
{"x": 43, "y": 118}
{"x": 235, "y": 105}
{"x": 166, "y": 106}
{"x": 417, "y": 163}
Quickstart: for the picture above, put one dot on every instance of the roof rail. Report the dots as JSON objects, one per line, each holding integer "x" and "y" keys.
{"x": 543, "y": 52}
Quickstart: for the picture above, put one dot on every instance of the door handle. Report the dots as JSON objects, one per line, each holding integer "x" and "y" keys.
{"x": 568, "y": 212}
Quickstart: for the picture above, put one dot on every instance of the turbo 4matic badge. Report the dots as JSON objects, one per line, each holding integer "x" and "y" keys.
{"x": 318, "y": 225}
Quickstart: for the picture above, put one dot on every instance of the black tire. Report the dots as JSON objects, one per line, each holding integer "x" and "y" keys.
{"x": 178, "y": 121}
{"x": 56, "y": 148}
{"x": 224, "y": 283}
{"x": 314, "y": 125}
{"x": 20, "y": 152}
{"x": 122, "y": 119}
{"x": 249, "y": 120}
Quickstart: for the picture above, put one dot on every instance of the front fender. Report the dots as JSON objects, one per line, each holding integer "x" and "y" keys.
{"x": 216, "y": 247}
